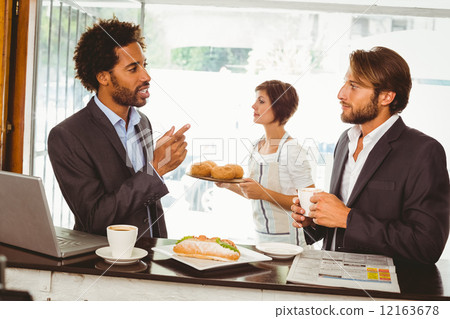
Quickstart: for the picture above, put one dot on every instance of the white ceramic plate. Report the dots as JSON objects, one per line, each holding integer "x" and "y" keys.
{"x": 136, "y": 255}
{"x": 247, "y": 256}
{"x": 279, "y": 250}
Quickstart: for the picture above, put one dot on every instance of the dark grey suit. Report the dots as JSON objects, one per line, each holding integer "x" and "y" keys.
{"x": 96, "y": 178}
{"x": 400, "y": 202}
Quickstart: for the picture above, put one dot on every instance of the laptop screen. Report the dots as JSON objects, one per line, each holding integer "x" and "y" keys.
{"x": 26, "y": 220}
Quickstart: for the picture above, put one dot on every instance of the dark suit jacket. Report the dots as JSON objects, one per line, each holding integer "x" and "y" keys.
{"x": 96, "y": 178}
{"x": 400, "y": 202}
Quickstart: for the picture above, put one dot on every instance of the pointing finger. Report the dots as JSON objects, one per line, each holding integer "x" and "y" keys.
{"x": 181, "y": 131}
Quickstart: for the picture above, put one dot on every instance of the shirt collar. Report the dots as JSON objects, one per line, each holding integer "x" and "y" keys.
{"x": 135, "y": 118}
{"x": 114, "y": 118}
{"x": 355, "y": 132}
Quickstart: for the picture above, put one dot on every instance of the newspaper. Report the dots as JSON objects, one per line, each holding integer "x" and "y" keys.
{"x": 338, "y": 269}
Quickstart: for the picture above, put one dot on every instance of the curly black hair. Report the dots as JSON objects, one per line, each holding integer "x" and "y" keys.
{"x": 96, "y": 49}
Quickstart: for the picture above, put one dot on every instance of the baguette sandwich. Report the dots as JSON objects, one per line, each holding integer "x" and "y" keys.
{"x": 207, "y": 248}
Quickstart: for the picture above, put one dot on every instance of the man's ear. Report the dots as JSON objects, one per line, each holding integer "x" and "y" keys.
{"x": 103, "y": 78}
{"x": 386, "y": 97}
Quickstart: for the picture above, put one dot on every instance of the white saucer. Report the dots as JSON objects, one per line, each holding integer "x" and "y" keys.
{"x": 136, "y": 255}
{"x": 279, "y": 250}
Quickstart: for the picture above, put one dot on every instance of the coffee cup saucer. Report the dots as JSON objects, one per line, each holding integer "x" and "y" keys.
{"x": 136, "y": 255}
{"x": 279, "y": 250}
{"x": 137, "y": 267}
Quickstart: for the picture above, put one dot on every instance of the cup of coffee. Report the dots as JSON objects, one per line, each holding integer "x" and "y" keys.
{"x": 304, "y": 196}
{"x": 121, "y": 239}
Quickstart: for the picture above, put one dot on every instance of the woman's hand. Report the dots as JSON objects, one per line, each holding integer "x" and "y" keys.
{"x": 232, "y": 187}
{"x": 223, "y": 185}
{"x": 253, "y": 190}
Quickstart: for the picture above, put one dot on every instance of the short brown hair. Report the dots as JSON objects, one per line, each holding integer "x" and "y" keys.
{"x": 283, "y": 97}
{"x": 96, "y": 49}
{"x": 385, "y": 70}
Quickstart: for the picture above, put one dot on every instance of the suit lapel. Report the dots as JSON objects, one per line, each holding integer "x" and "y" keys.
{"x": 340, "y": 156}
{"x": 144, "y": 129}
{"x": 340, "y": 159}
{"x": 375, "y": 159}
{"x": 108, "y": 129}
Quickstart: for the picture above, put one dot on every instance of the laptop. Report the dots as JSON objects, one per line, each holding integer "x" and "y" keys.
{"x": 25, "y": 220}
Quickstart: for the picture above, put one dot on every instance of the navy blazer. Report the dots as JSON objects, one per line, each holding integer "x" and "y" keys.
{"x": 96, "y": 178}
{"x": 400, "y": 202}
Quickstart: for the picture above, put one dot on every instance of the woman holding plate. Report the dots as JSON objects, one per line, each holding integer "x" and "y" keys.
{"x": 277, "y": 166}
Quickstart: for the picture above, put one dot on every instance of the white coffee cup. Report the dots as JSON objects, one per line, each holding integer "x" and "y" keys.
{"x": 121, "y": 239}
{"x": 304, "y": 195}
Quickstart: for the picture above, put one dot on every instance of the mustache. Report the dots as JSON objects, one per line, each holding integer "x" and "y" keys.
{"x": 143, "y": 85}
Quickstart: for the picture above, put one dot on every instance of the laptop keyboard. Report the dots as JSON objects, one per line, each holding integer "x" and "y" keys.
{"x": 68, "y": 243}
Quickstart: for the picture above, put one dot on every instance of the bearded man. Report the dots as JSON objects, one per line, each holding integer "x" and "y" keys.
{"x": 389, "y": 190}
{"x": 103, "y": 156}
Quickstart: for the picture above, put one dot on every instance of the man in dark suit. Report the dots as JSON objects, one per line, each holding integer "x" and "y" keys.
{"x": 389, "y": 191}
{"x": 103, "y": 156}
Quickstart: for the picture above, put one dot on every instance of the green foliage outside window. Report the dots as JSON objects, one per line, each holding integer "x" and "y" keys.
{"x": 210, "y": 59}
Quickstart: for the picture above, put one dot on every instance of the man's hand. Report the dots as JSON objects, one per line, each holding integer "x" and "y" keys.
{"x": 300, "y": 221}
{"x": 328, "y": 210}
{"x": 170, "y": 150}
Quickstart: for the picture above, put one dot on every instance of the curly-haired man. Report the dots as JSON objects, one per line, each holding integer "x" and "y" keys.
{"x": 103, "y": 155}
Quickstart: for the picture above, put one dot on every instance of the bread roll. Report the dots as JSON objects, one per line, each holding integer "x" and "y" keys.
{"x": 210, "y": 163}
{"x": 207, "y": 248}
{"x": 201, "y": 169}
{"x": 222, "y": 172}
{"x": 238, "y": 170}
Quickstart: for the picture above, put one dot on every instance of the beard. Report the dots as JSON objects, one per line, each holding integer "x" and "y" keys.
{"x": 126, "y": 97}
{"x": 363, "y": 115}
